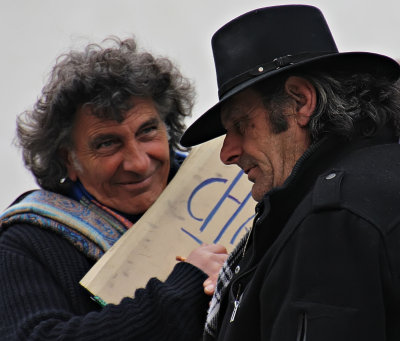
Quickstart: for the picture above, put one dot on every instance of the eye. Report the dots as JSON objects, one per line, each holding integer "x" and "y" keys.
{"x": 106, "y": 144}
{"x": 240, "y": 125}
{"x": 148, "y": 131}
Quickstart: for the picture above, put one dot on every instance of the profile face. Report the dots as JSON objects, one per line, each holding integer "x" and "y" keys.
{"x": 265, "y": 156}
{"x": 124, "y": 165}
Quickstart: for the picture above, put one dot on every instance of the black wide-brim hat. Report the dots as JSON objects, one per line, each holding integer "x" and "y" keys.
{"x": 268, "y": 41}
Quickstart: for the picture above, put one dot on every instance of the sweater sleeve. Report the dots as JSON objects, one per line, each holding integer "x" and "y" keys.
{"x": 41, "y": 299}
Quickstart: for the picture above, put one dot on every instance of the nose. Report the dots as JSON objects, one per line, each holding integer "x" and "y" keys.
{"x": 135, "y": 159}
{"x": 231, "y": 149}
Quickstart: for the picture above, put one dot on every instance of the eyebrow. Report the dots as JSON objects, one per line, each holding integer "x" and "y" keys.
{"x": 232, "y": 113}
{"x": 106, "y": 136}
{"x": 151, "y": 121}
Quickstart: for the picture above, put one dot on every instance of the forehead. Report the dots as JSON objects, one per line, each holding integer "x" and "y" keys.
{"x": 240, "y": 105}
{"x": 139, "y": 107}
{"x": 87, "y": 124}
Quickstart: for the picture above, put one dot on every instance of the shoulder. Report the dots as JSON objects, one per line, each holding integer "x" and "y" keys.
{"x": 180, "y": 156}
{"x": 37, "y": 243}
{"x": 365, "y": 182}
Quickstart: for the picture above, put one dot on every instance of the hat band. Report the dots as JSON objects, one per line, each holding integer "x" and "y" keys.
{"x": 276, "y": 64}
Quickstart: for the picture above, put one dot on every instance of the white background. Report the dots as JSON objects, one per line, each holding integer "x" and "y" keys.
{"x": 34, "y": 32}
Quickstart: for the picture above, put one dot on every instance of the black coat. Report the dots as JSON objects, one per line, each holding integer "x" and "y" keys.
{"x": 323, "y": 259}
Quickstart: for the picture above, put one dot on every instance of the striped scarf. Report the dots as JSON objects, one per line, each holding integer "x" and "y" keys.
{"x": 91, "y": 227}
{"x": 224, "y": 278}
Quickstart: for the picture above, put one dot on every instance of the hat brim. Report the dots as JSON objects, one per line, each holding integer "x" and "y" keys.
{"x": 208, "y": 126}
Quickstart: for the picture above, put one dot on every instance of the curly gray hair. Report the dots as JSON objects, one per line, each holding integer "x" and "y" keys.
{"x": 106, "y": 78}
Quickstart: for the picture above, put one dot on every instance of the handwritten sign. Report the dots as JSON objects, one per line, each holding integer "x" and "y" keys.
{"x": 233, "y": 227}
{"x": 206, "y": 202}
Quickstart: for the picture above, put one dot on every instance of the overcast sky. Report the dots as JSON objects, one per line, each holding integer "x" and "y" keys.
{"x": 34, "y": 32}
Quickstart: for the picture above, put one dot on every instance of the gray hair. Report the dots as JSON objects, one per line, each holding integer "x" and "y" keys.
{"x": 347, "y": 105}
{"x": 104, "y": 78}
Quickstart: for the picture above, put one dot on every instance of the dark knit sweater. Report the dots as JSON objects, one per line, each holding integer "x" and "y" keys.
{"x": 41, "y": 299}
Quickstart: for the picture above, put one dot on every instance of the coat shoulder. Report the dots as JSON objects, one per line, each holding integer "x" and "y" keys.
{"x": 366, "y": 182}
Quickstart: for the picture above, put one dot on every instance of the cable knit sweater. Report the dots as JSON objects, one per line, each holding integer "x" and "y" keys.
{"x": 41, "y": 299}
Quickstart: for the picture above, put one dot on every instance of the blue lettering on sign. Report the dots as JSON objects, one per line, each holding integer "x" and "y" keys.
{"x": 230, "y": 221}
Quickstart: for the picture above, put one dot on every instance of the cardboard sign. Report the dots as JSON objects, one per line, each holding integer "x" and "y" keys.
{"x": 206, "y": 202}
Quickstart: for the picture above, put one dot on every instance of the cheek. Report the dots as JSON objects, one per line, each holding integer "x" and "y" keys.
{"x": 107, "y": 169}
{"x": 255, "y": 148}
{"x": 159, "y": 155}
{"x": 163, "y": 153}
{"x": 102, "y": 170}
{"x": 158, "y": 150}
{"x": 164, "y": 169}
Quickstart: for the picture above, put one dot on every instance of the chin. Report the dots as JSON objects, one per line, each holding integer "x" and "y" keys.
{"x": 257, "y": 196}
{"x": 258, "y": 192}
{"x": 138, "y": 208}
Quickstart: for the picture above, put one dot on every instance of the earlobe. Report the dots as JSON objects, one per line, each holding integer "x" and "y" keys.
{"x": 67, "y": 157}
{"x": 303, "y": 93}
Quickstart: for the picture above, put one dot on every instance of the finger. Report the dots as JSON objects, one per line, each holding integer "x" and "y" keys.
{"x": 217, "y": 248}
{"x": 209, "y": 289}
{"x": 219, "y": 259}
{"x": 208, "y": 281}
{"x": 221, "y": 248}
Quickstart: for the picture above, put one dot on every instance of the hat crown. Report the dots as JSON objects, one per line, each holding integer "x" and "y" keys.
{"x": 257, "y": 41}
{"x": 272, "y": 41}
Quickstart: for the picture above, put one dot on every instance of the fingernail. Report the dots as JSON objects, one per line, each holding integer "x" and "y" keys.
{"x": 210, "y": 288}
{"x": 180, "y": 258}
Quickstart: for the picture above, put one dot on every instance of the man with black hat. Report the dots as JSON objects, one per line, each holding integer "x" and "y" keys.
{"x": 317, "y": 133}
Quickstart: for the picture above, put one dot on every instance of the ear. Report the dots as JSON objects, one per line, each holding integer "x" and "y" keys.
{"x": 67, "y": 157}
{"x": 304, "y": 94}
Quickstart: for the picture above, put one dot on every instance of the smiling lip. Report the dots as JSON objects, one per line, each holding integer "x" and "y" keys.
{"x": 135, "y": 184}
{"x": 249, "y": 172}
